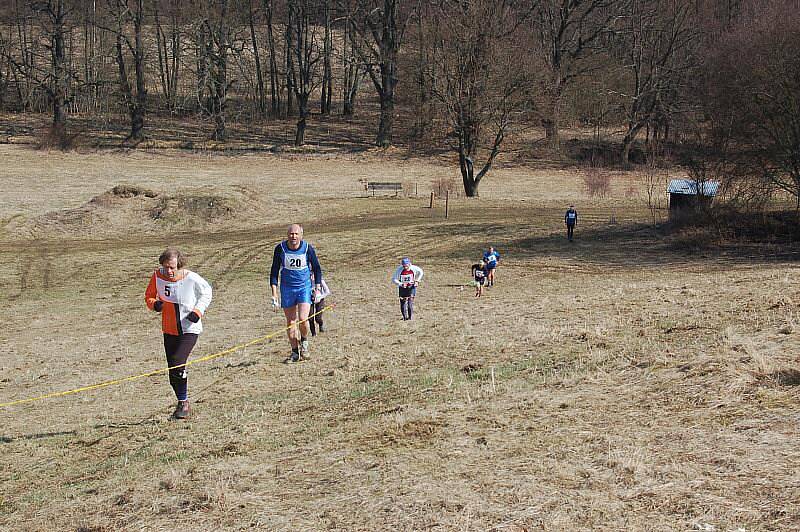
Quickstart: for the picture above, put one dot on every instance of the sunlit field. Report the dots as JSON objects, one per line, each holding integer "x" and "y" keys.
{"x": 620, "y": 382}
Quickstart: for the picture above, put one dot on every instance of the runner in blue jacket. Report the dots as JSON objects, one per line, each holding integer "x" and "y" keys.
{"x": 492, "y": 259}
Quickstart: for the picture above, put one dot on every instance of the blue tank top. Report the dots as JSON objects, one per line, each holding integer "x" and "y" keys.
{"x": 295, "y": 270}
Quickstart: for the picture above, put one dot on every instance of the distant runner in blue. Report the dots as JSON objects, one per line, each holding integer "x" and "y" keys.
{"x": 571, "y": 219}
{"x": 492, "y": 258}
{"x": 293, "y": 261}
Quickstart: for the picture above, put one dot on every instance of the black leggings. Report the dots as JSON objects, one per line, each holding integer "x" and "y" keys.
{"x": 178, "y": 349}
{"x": 316, "y": 307}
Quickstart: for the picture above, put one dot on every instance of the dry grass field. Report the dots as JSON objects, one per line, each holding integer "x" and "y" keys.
{"x": 621, "y": 382}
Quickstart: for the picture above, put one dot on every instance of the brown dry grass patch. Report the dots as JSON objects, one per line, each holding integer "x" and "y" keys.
{"x": 611, "y": 384}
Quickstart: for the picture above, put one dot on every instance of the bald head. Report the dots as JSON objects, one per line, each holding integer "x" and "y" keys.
{"x": 294, "y": 235}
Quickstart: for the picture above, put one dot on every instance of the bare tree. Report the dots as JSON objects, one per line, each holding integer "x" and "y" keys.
{"x": 261, "y": 98}
{"x": 130, "y": 14}
{"x": 757, "y": 85}
{"x": 481, "y": 79}
{"x": 169, "y": 46}
{"x": 306, "y": 53}
{"x": 660, "y": 41}
{"x": 570, "y": 33}
{"x": 353, "y": 69}
{"x": 274, "y": 84}
{"x": 5, "y": 69}
{"x": 215, "y": 41}
{"x": 379, "y": 26}
{"x": 326, "y": 94}
{"x": 49, "y": 73}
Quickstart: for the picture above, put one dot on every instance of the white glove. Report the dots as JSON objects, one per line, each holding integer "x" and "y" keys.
{"x": 275, "y": 302}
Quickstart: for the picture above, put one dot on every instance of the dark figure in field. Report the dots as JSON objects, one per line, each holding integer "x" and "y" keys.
{"x": 317, "y": 306}
{"x": 571, "y": 219}
{"x": 479, "y": 274}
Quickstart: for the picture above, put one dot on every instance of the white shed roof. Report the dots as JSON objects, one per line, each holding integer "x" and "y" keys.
{"x": 688, "y": 186}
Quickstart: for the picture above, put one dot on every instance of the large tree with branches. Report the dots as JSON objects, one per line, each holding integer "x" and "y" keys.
{"x": 130, "y": 52}
{"x": 480, "y": 77}
{"x": 571, "y": 33}
{"x": 378, "y": 27}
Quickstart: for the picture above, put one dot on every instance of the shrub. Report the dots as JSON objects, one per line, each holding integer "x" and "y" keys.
{"x": 597, "y": 182}
{"x": 443, "y": 185}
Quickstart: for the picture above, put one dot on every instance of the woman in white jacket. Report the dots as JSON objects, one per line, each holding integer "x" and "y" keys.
{"x": 406, "y": 277}
{"x": 182, "y": 297}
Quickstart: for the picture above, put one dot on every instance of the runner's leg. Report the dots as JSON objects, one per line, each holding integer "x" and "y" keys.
{"x": 291, "y": 321}
{"x": 303, "y": 310}
{"x": 178, "y": 349}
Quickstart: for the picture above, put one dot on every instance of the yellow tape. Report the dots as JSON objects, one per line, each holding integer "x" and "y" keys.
{"x": 206, "y": 358}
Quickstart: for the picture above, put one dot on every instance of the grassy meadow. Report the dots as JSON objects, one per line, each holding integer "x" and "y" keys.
{"x": 626, "y": 381}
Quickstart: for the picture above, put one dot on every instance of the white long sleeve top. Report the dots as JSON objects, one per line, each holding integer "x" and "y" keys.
{"x": 417, "y": 275}
{"x": 181, "y": 296}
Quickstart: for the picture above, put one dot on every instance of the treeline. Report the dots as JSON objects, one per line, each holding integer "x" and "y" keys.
{"x": 715, "y": 81}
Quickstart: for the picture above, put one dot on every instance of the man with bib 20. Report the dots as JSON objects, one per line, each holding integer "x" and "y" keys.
{"x": 293, "y": 261}
{"x": 406, "y": 277}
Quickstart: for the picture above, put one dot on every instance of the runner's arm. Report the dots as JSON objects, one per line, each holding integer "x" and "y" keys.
{"x": 203, "y": 291}
{"x": 324, "y": 290}
{"x": 151, "y": 294}
{"x": 277, "y": 260}
{"x": 418, "y": 273}
{"x": 396, "y": 276}
{"x": 315, "y": 267}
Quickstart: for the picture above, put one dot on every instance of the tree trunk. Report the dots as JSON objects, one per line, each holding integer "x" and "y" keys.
{"x": 384, "y": 138}
{"x": 470, "y": 186}
{"x": 352, "y": 71}
{"x": 275, "y": 97}
{"x": 327, "y": 71}
{"x": 466, "y": 149}
{"x": 140, "y": 105}
{"x": 302, "y": 108}
{"x": 175, "y": 60}
{"x": 389, "y": 45}
{"x": 290, "y": 88}
{"x": 59, "y": 70}
{"x": 553, "y": 122}
{"x": 261, "y": 97}
{"x": 161, "y": 47}
{"x": 627, "y": 144}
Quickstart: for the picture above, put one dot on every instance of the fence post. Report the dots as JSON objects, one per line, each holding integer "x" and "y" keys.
{"x": 431, "y": 206}
{"x": 446, "y": 203}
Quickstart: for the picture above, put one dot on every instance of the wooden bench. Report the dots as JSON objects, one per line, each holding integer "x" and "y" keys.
{"x": 380, "y": 185}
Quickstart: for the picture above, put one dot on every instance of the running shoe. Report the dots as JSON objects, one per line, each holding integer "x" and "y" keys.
{"x": 182, "y": 410}
{"x": 304, "y": 349}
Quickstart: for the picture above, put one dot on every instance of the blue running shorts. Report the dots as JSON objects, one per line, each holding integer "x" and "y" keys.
{"x": 291, "y": 297}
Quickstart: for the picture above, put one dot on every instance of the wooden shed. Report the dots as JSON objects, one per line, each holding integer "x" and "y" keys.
{"x": 689, "y": 194}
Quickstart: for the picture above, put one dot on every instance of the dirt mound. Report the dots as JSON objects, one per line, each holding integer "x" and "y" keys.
{"x": 132, "y": 208}
{"x": 189, "y": 207}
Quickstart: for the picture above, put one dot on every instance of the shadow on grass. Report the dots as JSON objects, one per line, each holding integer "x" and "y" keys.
{"x": 632, "y": 246}
{"x": 36, "y": 436}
